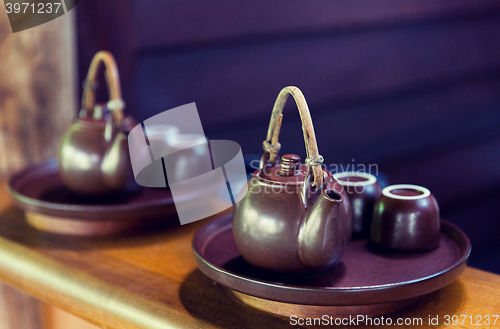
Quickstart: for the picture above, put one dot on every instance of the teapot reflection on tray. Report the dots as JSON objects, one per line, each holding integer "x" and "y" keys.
{"x": 90, "y": 190}
{"x": 93, "y": 155}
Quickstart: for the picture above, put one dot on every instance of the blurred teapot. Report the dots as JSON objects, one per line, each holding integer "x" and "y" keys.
{"x": 295, "y": 219}
{"x": 93, "y": 154}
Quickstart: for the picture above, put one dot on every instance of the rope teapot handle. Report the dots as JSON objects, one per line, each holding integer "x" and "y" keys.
{"x": 272, "y": 146}
{"x": 115, "y": 103}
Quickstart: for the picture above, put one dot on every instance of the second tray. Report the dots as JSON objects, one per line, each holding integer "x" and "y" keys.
{"x": 50, "y": 207}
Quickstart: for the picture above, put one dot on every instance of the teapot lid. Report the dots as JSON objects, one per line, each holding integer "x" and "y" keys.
{"x": 289, "y": 171}
{"x": 99, "y": 113}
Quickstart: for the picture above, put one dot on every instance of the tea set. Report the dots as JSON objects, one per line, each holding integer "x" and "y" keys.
{"x": 298, "y": 219}
{"x": 89, "y": 190}
{"x": 303, "y": 241}
{"x": 299, "y": 235}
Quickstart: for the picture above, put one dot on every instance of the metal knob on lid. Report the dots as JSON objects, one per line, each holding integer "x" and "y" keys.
{"x": 290, "y": 164}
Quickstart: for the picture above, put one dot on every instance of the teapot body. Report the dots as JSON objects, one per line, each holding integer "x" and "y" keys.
{"x": 277, "y": 225}
{"x": 91, "y": 164}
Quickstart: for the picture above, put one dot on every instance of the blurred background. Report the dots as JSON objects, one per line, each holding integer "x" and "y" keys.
{"x": 412, "y": 86}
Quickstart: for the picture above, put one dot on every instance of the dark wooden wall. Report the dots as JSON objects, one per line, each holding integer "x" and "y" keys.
{"x": 410, "y": 85}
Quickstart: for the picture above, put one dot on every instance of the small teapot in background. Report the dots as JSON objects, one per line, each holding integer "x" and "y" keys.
{"x": 295, "y": 219}
{"x": 93, "y": 155}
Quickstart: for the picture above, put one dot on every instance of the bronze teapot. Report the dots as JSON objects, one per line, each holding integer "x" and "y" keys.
{"x": 93, "y": 154}
{"x": 295, "y": 219}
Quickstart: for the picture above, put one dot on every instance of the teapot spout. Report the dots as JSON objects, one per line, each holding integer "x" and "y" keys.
{"x": 326, "y": 230}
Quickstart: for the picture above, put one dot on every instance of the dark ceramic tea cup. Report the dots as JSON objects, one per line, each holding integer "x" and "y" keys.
{"x": 362, "y": 189}
{"x": 406, "y": 218}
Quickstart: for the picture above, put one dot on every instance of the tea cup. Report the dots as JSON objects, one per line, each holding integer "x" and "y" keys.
{"x": 362, "y": 189}
{"x": 406, "y": 218}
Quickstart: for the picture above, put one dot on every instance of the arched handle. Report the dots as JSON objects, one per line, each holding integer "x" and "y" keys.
{"x": 271, "y": 144}
{"x": 116, "y": 103}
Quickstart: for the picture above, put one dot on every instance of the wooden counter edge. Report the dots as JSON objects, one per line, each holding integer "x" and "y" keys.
{"x": 78, "y": 292}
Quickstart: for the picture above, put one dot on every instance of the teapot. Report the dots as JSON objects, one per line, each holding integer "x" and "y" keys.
{"x": 93, "y": 154}
{"x": 295, "y": 219}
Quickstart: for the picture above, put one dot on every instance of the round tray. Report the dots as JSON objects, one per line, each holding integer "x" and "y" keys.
{"x": 365, "y": 277}
{"x": 49, "y": 206}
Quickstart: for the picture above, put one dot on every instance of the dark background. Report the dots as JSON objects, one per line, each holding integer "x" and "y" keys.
{"x": 410, "y": 85}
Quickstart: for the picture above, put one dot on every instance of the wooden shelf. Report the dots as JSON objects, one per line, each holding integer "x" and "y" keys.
{"x": 151, "y": 280}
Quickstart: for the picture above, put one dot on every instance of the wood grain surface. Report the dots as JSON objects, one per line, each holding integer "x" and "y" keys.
{"x": 56, "y": 318}
{"x": 37, "y": 90}
{"x": 19, "y": 310}
{"x": 151, "y": 280}
{"x": 37, "y": 103}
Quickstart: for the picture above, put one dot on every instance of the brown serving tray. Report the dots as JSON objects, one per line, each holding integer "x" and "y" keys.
{"x": 49, "y": 206}
{"x": 379, "y": 282}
